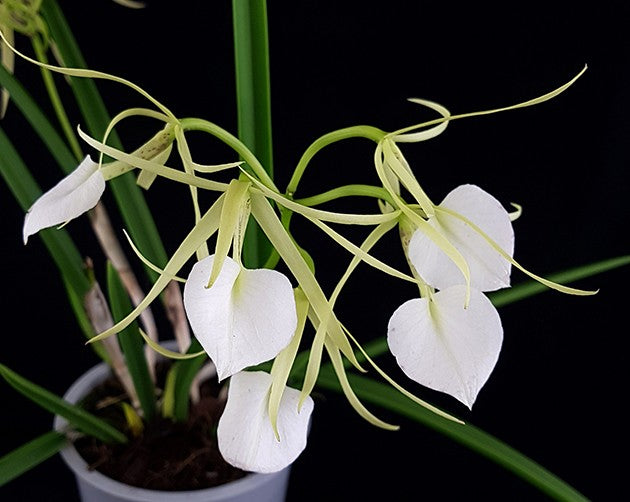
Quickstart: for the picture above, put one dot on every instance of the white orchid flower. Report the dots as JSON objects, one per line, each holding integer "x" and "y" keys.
{"x": 449, "y": 340}
{"x": 489, "y": 269}
{"x": 74, "y": 195}
{"x": 246, "y": 436}
{"x": 444, "y": 346}
{"x": 245, "y": 318}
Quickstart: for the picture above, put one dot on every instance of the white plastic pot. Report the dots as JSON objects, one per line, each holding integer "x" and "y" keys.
{"x": 96, "y": 487}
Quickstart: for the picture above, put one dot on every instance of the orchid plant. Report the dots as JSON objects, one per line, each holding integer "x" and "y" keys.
{"x": 265, "y": 324}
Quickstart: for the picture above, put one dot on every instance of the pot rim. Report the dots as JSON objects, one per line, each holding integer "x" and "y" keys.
{"x": 78, "y": 466}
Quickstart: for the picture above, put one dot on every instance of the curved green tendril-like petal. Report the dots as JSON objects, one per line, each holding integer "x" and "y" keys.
{"x": 429, "y": 133}
{"x": 338, "y": 366}
{"x": 397, "y": 163}
{"x": 314, "y": 359}
{"x": 145, "y": 260}
{"x": 423, "y": 225}
{"x": 79, "y": 72}
{"x": 398, "y": 387}
{"x": 284, "y": 360}
{"x": 524, "y": 104}
{"x": 498, "y": 249}
{"x": 130, "y": 161}
{"x": 166, "y": 352}
{"x": 515, "y": 215}
{"x": 271, "y": 225}
{"x": 360, "y": 253}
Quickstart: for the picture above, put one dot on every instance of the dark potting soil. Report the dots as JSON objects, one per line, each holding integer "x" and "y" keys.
{"x": 167, "y": 455}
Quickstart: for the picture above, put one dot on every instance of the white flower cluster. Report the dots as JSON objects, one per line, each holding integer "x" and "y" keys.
{"x": 448, "y": 339}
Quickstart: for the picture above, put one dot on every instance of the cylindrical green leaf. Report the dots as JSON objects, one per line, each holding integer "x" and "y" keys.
{"x": 132, "y": 344}
{"x": 251, "y": 56}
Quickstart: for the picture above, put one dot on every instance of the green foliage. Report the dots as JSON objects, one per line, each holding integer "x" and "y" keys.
{"x": 131, "y": 344}
{"x": 75, "y": 415}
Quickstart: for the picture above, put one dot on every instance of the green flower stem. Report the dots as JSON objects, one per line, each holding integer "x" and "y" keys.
{"x": 55, "y": 100}
{"x": 363, "y": 131}
{"x": 196, "y": 124}
{"x": 347, "y": 191}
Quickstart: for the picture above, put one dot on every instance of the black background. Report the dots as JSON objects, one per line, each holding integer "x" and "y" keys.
{"x": 558, "y": 390}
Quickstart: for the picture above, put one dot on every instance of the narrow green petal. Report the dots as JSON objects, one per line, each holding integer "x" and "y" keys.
{"x": 215, "y": 168}
{"x": 186, "y": 158}
{"x": 284, "y": 361}
{"x": 277, "y": 234}
{"x": 360, "y": 253}
{"x": 79, "y": 72}
{"x": 335, "y": 357}
{"x": 145, "y": 260}
{"x": 422, "y": 224}
{"x": 314, "y": 357}
{"x": 524, "y": 104}
{"x": 168, "y": 353}
{"x": 428, "y": 133}
{"x": 515, "y": 215}
{"x": 401, "y": 389}
{"x": 145, "y": 178}
{"x": 399, "y": 166}
{"x": 130, "y": 161}
{"x": 236, "y": 198}
{"x": 542, "y": 280}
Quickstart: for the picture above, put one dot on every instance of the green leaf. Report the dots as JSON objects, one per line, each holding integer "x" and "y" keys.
{"x": 185, "y": 372}
{"x": 29, "y": 455}
{"x": 131, "y": 344}
{"x": 253, "y": 92}
{"x": 467, "y": 435}
{"x": 39, "y": 122}
{"x": 76, "y": 416}
{"x": 128, "y": 196}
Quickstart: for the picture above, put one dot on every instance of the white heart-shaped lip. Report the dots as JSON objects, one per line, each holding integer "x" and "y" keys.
{"x": 245, "y": 434}
{"x": 75, "y": 194}
{"x": 247, "y": 317}
{"x": 444, "y": 346}
{"x": 489, "y": 270}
